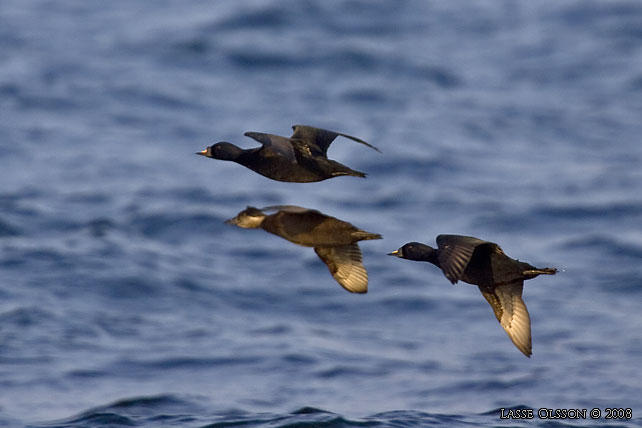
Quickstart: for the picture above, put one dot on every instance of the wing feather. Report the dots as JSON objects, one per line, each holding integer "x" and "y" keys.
{"x": 511, "y": 312}
{"x": 455, "y": 252}
{"x": 276, "y": 144}
{"x": 345, "y": 265}
{"x": 322, "y": 138}
{"x": 454, "y": 255}
{"x": 291, "y": 209}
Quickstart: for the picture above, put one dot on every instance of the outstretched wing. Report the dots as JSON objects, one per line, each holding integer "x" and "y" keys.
{"x": 275, "y": 144}
{"x": 511, "y": 312}
{"x": 345, "y": 266}
{"x": 455, "y": 252}
{"x": 322, "y": 138}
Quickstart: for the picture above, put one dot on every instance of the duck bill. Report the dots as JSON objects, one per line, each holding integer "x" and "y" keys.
{"x": 395, "y": 253}
{"x": 202, "y": 153}
{"x": 233, "y": 221}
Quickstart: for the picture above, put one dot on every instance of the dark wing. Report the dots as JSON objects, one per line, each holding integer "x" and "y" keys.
{"x": 454, "y": 253}
{"x": 290, "y": 209}
{"x": 511, "y": 312}
{"x": 275, "y": 144}
{"x": 322, "y": 138}
{"x": 345, "y": 266}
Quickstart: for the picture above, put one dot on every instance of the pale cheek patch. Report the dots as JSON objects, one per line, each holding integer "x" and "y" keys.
{"x": 250, "y": 222}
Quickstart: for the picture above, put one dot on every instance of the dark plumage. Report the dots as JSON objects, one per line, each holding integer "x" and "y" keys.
{"x": 499, "y": 277}
{"x": 302, "y": 158}
{"x": 334, "y": 241}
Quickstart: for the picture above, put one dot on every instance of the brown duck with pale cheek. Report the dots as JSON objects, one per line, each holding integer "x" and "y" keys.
{"x": 334, "y": 240}
{"x": 499, "y": 277}
{"x": 301, "y": 158}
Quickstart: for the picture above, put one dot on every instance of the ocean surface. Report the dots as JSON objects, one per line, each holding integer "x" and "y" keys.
{"x": 126, "y": 301}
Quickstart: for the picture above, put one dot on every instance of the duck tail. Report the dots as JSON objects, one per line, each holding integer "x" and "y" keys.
{"x": 356, "y": 173}
{"x": 351, "y": 172}
{"x": 542, "y": 271}
{"x": 362, "y": 235}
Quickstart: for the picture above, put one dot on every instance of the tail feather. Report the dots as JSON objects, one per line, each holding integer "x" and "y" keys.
{"x": 362, "y": 235}
{"x": 542, "y": 271}
{"x": 351, "y": 172}
{"x": 356, "y": 173}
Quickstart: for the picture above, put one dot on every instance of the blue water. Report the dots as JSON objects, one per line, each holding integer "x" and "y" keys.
{"x": 125, "y": 300}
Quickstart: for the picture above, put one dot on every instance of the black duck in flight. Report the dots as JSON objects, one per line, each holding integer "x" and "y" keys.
{"x": 301, "y": 158}
{"x": 499, "y": 277}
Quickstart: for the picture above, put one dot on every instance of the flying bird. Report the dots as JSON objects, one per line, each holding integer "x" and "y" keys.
{"x": 334, "y": 240}
{"x": 300, "y": 158}
{"x": 499, "y": 277}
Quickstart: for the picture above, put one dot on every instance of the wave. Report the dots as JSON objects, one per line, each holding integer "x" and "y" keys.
{"x": 169, "y": 410}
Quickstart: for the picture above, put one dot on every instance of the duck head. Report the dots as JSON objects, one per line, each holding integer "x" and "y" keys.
{"x": 415, "y": 251}
{"x": 222, "y": 151}
{"x": 249, "y": 218}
